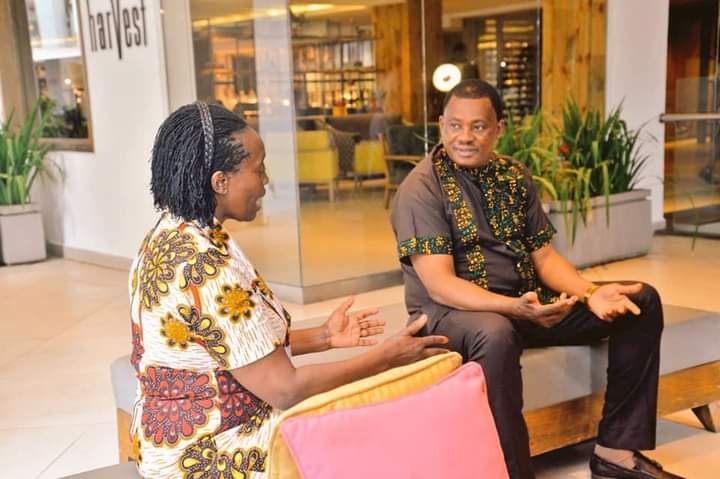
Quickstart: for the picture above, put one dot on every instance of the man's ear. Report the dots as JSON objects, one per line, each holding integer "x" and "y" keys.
{"x": 219, "y": 182}
{"x": 501, "y": 127}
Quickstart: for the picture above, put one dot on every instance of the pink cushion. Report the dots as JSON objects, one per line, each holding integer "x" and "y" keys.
{"x": 446, "y": 430}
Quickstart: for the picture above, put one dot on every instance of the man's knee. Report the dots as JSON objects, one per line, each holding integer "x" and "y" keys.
{"x": 650, "y": 304}
{"x": 494, "y": 338}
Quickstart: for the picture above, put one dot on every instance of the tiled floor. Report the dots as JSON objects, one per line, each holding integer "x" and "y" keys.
{"x": 64, "y": 322}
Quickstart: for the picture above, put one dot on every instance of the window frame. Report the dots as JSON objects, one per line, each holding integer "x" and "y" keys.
{"x": 18, "y": 14}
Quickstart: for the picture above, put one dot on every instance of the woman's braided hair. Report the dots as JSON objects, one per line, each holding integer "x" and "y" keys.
{"x": 194, "y": 142}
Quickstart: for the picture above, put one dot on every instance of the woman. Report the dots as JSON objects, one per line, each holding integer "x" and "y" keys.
{"x": 210, "y": 340}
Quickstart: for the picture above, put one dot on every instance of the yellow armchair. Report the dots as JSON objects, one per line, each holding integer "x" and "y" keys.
{"x": 369, "y": 159}
{"x": 317, "y": 159}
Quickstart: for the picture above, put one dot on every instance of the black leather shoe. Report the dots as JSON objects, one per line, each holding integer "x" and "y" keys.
{"x": 645, "y": 468}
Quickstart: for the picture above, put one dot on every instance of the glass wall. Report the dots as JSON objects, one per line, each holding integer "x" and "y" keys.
{"x": 364, "y": 82}
{"x": 59, "y": 67}
{"x": 692, "y": 173}
{"x": 338, "y": 91}
{"x": 242, "y": 60}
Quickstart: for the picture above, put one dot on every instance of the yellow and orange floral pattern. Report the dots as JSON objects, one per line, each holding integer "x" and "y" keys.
{"x": 198, "y": 311}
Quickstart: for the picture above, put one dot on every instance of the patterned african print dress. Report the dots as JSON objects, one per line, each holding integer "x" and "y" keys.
{"x": 199, "y": 309}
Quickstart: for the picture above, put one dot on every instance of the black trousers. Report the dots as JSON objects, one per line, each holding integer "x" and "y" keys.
{"x": 496, "y": 342}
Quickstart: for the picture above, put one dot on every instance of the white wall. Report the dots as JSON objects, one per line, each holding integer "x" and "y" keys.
{"x": 104, "y": 204}
{"x": 637, "y": 38}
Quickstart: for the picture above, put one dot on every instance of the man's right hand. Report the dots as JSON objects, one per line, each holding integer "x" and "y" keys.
{"x": 404, "y": 348}
{"x": 528, "y": 307}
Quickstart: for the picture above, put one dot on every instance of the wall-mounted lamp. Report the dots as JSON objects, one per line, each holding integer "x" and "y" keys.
{"x": 446, "y": 76}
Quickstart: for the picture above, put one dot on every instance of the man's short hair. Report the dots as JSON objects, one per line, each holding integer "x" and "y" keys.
{"x": 474, "y": 88}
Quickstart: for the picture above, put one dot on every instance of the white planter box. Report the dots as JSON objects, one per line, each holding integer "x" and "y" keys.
{"x": 629, "y": 233}
{"x": 22, "y": 237}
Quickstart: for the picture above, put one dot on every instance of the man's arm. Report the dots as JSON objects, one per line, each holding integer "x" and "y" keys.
{"x": 557, "y": 273}
{"x": 437, "y": 273}
{"x": 608, "y": 302}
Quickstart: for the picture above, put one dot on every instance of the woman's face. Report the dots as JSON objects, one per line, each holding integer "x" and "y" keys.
{"x": 238, "y": 193}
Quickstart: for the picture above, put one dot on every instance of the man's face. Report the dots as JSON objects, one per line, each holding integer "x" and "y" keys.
{"x": 469, "y": 129}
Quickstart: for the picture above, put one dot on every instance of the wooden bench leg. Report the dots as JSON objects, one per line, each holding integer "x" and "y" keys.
{"x": 125, "y": 446}
{"x": 709, "y": 416}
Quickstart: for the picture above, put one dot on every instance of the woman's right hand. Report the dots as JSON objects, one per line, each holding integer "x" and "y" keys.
{"x": 404, "y": 348}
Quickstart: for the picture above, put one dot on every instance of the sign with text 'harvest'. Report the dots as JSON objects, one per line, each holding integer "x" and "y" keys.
{"x": 120, "y": 26}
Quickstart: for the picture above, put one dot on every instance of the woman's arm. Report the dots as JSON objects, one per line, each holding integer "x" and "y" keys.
{"x": 275, "y": 380}
{"x": 341, "y": 330}
{"x": 309, "y": 340}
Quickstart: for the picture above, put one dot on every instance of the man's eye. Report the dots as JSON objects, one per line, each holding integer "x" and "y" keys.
{"x": 479, "y": 127}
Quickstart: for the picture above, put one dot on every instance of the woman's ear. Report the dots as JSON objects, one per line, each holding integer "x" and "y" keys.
{"x": 219, "y": 182}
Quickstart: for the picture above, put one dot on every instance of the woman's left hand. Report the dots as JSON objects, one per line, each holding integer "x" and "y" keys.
{"x": 348, "y": 331}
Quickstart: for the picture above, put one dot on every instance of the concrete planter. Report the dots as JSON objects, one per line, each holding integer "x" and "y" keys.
{"x": 22, "y": 237}
{"x": 628, "y": 235}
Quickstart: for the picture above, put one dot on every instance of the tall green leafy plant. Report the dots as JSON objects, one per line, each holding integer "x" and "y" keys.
{"x": 587, "y": 156}
{"x": 603, "y": 155}
{"x": 22, "y": 156}
{"x": 527, "y": 143}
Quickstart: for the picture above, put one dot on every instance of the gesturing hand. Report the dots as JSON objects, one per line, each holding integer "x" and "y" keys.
{"x": 528, "y": 307}
{"x": 405, "y": 348}
{"x": 611, "y": 301}
{"x": 348, "y": 331}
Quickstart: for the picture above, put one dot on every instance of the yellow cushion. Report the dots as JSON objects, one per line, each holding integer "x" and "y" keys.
{"x": 319, "y": 166}
{"x": 388, "y": 385}
{"x": 369, "y": 158}
{"x": 314, "y": 140}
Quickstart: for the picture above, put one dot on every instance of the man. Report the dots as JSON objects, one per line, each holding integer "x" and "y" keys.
{"x": 474, "y": 244}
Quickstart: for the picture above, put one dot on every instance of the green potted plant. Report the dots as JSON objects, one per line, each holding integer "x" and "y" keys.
{"x": 585, "y": 172}
{"x": 22, "y": 159}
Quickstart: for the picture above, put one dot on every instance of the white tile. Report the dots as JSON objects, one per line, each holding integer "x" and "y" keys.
{"x": 64, "y": 323}
{"x": 26, "y": 452}
{"x": 91, "y": 450}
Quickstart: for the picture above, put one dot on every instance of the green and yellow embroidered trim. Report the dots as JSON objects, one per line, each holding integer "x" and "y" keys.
{"x": 503, "y": 187}
{"x": 425, "y": 245}
{"x": 464, "y": 220}
{"x": 541, "y": 238}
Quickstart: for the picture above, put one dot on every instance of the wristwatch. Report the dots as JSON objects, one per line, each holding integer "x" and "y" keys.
{"x": 589, "y": 292}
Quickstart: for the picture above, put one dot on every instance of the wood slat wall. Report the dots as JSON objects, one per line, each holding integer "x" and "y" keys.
{"x": 398, "y": 54}
{"x": 17, "y": 80}
{"x": 573, "y": 54}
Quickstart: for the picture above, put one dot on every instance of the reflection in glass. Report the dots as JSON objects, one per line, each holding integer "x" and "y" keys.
{"x": 367, "y": 112}
{"x": 242, "y": 61}
{"x": 342, "y": 94}
{"x": 59, "y": 66}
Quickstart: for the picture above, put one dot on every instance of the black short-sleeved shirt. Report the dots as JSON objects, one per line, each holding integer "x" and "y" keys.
{"x": 489, "y": 219}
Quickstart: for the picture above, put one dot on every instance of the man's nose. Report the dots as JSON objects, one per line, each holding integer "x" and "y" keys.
{"x": 465, "y": 135}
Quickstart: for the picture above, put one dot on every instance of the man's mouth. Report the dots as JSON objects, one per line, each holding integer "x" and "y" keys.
{"x": 465, "y": 151}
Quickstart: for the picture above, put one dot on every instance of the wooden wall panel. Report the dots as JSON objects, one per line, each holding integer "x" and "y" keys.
{"x": 388, "y": 22}
{"x": 398, "y": 54}
{"x": 17, "y": 79}
{"x": 573, "y": 54}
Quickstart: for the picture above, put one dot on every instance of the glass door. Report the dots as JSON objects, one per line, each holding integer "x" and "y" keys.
{"x": 692, "y": 153}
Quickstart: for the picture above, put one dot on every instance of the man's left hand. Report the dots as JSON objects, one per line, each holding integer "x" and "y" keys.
{"x": 611, "y": 300}
{"x": 348, "y": 331}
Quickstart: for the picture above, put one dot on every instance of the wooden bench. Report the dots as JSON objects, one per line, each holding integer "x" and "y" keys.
{"x": 563, "y": 387}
